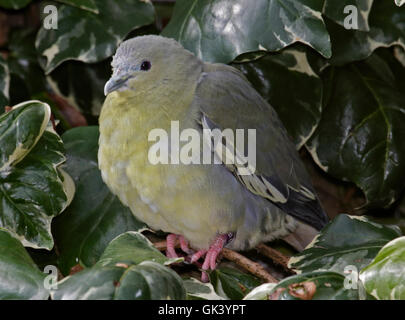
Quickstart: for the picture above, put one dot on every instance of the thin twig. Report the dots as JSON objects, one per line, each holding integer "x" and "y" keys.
{"x": 249, "y": 265}
{"x": 276, "y": 256}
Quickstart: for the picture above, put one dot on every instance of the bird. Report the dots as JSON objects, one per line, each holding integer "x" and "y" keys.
{"x": 156, "y": 82}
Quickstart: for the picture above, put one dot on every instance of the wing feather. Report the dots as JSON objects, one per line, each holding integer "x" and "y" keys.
{"x": 227, "y": 100}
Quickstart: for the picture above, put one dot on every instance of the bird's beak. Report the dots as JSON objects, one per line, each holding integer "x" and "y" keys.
{"x": 114, "y": 84}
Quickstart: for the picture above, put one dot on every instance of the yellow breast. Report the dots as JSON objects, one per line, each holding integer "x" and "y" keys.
{"x": 166, "y": 197}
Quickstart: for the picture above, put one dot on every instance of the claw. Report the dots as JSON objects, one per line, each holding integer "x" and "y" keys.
{"x": 212, "y": 254}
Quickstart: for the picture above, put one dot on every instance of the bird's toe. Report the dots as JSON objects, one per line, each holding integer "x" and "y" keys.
{"x": 171, "y": 240}
{"x": 210, "y": 261}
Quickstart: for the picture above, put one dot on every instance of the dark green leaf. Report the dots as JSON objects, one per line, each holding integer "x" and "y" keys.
{"x": 20, "y": 277}
{"x": 90, "y": 37}
{"x": 384, "y": 277}
{"x": 95, "y": 216}
{"x": 89, "y": 5}
{"x": 147, "y": 280}
{"x": 14, "y": 4}
{"x": 132, "y": 247}
{"x": 20, "y": 130}
{"x": 88, "y": 98}
{"x": 360, "y": 135}
{"x": 220, "y": 30}
{"x": 386, "y": 30}
{"x": 232, "y": 284}
{"x": 335, "y": 10}
{"x": 28, "y": 78}
{"x": 288, "y": 83}
{"x": 329, "y": 286}
{"x": 346, "y": 241}
{"x": 43, "y": 257}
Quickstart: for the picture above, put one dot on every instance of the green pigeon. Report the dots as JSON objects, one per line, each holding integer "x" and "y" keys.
{"x": 226, "y": 202}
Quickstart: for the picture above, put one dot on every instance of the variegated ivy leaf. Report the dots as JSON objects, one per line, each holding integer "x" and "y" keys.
{"x": 339, "y": 11}
{"x": 385, "y": 30}
{"x": 399, "y": 2}
{"x": 130, "y": 268}
{"x": 20, "y": 130}
{"x": 90, "y": 37}
{"x": 384, "y": 277}
{"x": 346, "y": 241}
{"x": 88, "y": 99}
{"x": 220, "y": 30}
{"x": 318, "y": 285}
{"x": 261, "y": 292}
{"x": 32, "y": 189}
{"x": 132, "y": 248}
{"x": 145, "y": 281}
{"x": 197, "y": 290}
{"x": 4, "y": 83}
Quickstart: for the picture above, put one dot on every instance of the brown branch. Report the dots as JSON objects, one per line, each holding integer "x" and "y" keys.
{"x": 70, "y": 114}
{"x": 245, "y": 263}
{"x": 249, "y": 265}
{"x": 276, "y": 256}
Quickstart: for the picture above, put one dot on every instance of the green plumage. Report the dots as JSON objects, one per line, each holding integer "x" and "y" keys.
{"x": 199, "y": 201}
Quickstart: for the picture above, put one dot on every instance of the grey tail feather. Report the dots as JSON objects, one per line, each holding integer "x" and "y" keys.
{"x": 306, "y": 210}
{"x": 302, "y": 236}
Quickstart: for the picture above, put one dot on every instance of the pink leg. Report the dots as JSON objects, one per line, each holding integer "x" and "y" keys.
{"x": 170, "y": 244}
{"x": 212, "y": 254}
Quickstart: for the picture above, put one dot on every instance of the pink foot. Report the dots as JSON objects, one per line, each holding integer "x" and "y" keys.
{"x": 212, "y": 254}
{"x": 171, "y": 244}
{"x": 210, "y": 260}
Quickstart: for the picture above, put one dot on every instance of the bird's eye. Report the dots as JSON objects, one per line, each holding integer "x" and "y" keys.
{"x": 145, "y": 66}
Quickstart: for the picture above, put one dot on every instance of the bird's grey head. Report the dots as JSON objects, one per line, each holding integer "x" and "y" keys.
{"x": 146, "y": 60}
